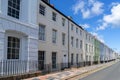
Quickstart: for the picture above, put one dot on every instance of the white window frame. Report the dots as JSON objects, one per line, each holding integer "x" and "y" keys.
{"x": 13, "y": 48}
{"x": 42, "y": 32}
{"x": 63, "y": 39}
{"x": 14, "y": 11}
{"x": 54, "y": 36}
{"x": 54, "y": 16}
{"x": 63, "y": 22}
{"x": 42, "y": 9}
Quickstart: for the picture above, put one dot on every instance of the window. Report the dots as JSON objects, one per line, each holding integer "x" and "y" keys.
{"x": 54, "y": 16}
{"x": 72, "y": 56}
{"x": 76, "y": 30}
{"x": 42, "y": 32}
{"x": 14, "y": 8}
{"x": 13, "y": 48}
{"x": 54, "y": 36}
{"x": 77, "y": 55}
{"x": 53, "y": 59}
{"x": 41, "y": 59}
{"x": 72, "y": 41}
{"x": 72, "y": 27}
{"x": 63, "y": 38}
{"x": 89, "y": 38}
{"x": 86, "y": 47}
{"x": 86, "y": 57}
{"x": 63, "y": 22}
{"x": 42, "y": 9}
{"x": 81, "y": 44}
{"x": 86, "y": 36}
{"x": 81, "y": 56}
{"x": 81, "y": 32}
{"x": 89, "y": 48}
{"x": 76, "y": 43}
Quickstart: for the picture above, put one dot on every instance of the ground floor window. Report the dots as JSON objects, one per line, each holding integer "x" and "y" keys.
{"x": 72, "y": 59}
{"x": 54, "y": 55}
{"x": 41, "y": 59}
{"x": 77, "y": 58}
{"x": 13, "y": 47}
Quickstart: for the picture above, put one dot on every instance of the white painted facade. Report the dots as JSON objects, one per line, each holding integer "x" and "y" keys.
{"x": 25, "y": 28}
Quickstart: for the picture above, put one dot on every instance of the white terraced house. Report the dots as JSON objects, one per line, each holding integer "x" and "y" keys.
{"x": 18, "y": 36}
{"x": 35, "y": 36}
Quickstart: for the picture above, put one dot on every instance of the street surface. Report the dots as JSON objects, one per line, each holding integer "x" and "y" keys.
{"x": 110, "y": 73}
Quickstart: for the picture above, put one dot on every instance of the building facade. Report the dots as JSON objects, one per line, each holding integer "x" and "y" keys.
{"x": 34, "y": 34}
{"x": 18, "y": 34}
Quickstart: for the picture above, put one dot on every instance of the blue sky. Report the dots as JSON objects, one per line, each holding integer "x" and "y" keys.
{"x": 99, "y": 17}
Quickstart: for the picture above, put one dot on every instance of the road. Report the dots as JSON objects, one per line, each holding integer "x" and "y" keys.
{"x": 110, "y": 73}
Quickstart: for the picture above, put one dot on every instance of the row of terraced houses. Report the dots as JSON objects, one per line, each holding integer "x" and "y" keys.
{"x": 34, "y": 36}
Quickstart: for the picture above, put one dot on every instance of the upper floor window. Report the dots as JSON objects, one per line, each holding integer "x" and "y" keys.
{"x": 42, "y": 9}
{"x": 63, "y": 38}
{"x": 86, "y": 36}
{"x": 81, "y": 44}
{"x": 72, "y": 39}
{"x": 76, "y": 30}
{"x": 42, "y": 32}
{"x": 72, "y": 27}
{"x": 86, "y": 48}
{"x": 54, "y": 16}
{"x": 14, "y": 8}
{"x": 63, "y": 22}
{"x": 80, "y": 32}
{"x": 54, "y": 36}
{"x": 76, "y": 43}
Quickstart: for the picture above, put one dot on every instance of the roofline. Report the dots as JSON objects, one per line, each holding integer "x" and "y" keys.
{"x": 62, "y": 14}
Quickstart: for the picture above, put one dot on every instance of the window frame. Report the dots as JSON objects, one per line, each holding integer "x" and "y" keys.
{"x": 54, "y": 60}
{"x": 13, "y": 46}
{"x": 63, "y": 21}
{"x": 63, "y": 39}
{"x": 42, "y": 9}
{"x": 13, "y": 8}
{"x": 54, "y": 16}
{"x": 42, "y": 32}
{"x": 54, "y": 36}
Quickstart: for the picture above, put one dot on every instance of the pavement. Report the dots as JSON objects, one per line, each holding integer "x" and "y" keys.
{"x": 64, "y": 75}
{"x": 110, "y": 73}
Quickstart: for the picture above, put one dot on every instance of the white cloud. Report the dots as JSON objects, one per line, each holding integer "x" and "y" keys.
{"x": 97, "y": 8}
{"x": 99, "y": 37}
{"x": 88, "y": 8}
{"x": 112, "y": 19}
{"x": 102, "y": 27}
{"x": 78, "y": 6}
{"x": 85, "y": 26}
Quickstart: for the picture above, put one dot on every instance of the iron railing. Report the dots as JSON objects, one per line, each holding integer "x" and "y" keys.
{"x": 18, "y": 67}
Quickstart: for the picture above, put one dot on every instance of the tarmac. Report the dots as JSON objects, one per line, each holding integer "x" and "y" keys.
{"x": 66, "y": 74}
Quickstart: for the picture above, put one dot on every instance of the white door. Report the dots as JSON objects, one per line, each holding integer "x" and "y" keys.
{"x": 65, "y": 61}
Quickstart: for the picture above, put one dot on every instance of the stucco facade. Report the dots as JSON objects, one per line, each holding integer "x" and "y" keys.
{"x": 24, "y": 29}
